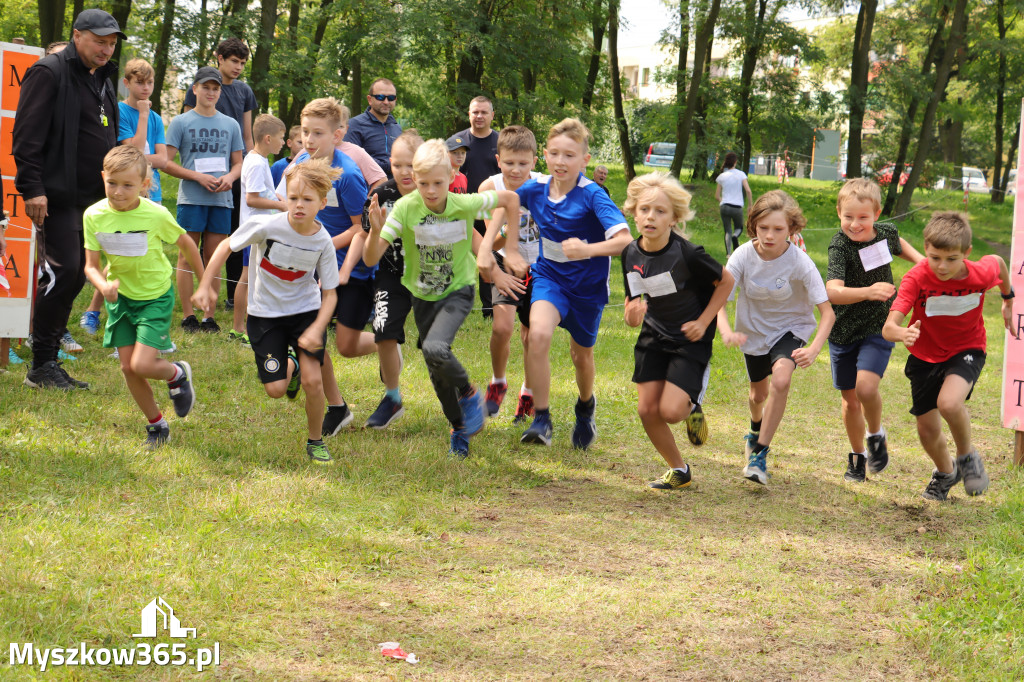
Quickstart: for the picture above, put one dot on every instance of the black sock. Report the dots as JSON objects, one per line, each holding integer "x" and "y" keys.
{"x": 586, "y": 403}
{"x": 755, "y": 426}
{"x": 318, "y": 441}
{"x": 546, "y": 413}
{"x": 758, "y": 448}
{"x": 465, "y": 391}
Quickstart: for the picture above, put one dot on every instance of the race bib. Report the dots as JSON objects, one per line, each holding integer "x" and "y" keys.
{"x": 937, "y": 306}
{"x": 441, "y": 233}
{"x": 332, "y": 198}
{"x": 213, "y": 164}
{"x": 657, "y": 285}
{"x": 123, "y": 244}
{"x": 875, "y": 256}
{"x": 553, "y": 251}
{"x": 292, "y": 258}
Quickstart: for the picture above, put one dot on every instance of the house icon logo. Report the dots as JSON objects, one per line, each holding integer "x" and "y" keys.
{"x": 158, "y": 611}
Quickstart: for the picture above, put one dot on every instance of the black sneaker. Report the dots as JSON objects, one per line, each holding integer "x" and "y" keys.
{"x": 229, "y": 304}
{"x": 336, "y": 419}
{"x": 157, "y": 435}
{"x": 181, "y": 392}
{"x": 76, "y": 382}
{"x": 855, "y": 469}
{"x": 584, "y": 433}
{"x": 940, "y": 485}
{"x": 387, "y": 412}
{"x": 49, "y": 375}
{"x": 673, "y": 478}
{"x": 973, "y": 470}
{"x": 190, "y": 324}
{"x": 296, "y": 381}
{"x": 878, "y": 454}
{"x": 209, "y": 325}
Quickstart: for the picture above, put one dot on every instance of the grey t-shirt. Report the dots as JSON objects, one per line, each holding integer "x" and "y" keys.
{"x": 236, "y": 98}
{"x": 205, "y": 144}
{"x": 281, "y": 266}
{"x": 775, "y": 296}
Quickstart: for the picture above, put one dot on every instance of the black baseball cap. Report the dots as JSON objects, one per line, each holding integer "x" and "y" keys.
{"x": 457, "y": 141}
{"x": 207, "y": 73}
{"x": 99, "y": 22}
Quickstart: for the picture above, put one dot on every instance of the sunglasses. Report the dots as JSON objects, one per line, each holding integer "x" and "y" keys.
{"x": 381, "y": 98}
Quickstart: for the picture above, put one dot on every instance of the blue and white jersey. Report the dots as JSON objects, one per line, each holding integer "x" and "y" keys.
{"x": 586, "y": 213}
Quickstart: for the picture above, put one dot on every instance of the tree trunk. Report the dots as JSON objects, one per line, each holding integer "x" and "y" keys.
{"x": 860, "y": 65}
{"x": 951, "y": 52}
{"x": 291, "y": 42}
{"x": 204, "y": 31}
{"x": 934, "y": 47}
{"x": 998, "y": 194}
{"x": 356, "y": 95}
{"x": 700, "y": 130}
{"x": 598, "y": 24}
{"x": 1014, "y": 139}
{"x": 683, "y": 48}
{"x": 260, "y": 71}
{"x": 51, "y": 21}
{"x": 161, "y": 55}
{"x": 620, "y": 115}
{"x": 77, "y": 7}
{"x": 701, "y": 51}
{"x": 750, "y": 55}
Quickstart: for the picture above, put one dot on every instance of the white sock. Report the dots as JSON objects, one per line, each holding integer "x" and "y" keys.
{"x": 881, "y": 432}
{"x": 178, "y": 373}
{"x": 684, "y": 469}
{"x": 498, "y": 380}
{"x": 862, "y": 453}
{"x": 525, "y": 391}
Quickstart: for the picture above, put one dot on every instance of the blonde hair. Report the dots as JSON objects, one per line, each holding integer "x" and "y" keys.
{"x": 431, "y": 154}
{"x": 326, "y": 108}
{"x": 345, "y": 116}
{"x": 860, "y": 189}
{"x": 948, "y": 230}
{"x": 769, "y": 202}
{"x": 317, "y": 173}
{"x": 410, "y": 138}
{"x": 645, "y": 187}
{"x": 517, "y": 139}
{"x": 574, "y": 129}
{"x": 266, "y": 124}
{"x": 138, "y": 69}
{"x": 125, "y": 157}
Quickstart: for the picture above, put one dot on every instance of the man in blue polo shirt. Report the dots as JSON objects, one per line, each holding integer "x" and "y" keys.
{"x": 375, "y": 129}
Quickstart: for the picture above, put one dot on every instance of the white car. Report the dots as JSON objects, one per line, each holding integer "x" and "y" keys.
{"x": 971, "y": 178}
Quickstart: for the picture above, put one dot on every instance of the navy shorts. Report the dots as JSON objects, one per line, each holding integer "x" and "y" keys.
{"x": 870, "y": 354}
{"x": 759, "y": 367}
{"x": 196, "y": 218}
{"x": 926, "y": 378}
{"x": 581, "y": 319}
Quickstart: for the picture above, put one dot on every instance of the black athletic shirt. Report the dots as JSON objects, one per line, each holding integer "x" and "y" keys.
{"x": 387, "y": 195}
{"x": 678, "y": 281}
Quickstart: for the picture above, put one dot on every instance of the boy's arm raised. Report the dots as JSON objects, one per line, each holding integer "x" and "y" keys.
{"x": 804, "y": 357}
{"x": 352, "y": 256}
{"x": 514, "y": 262}
{"x": 375, "y": 244}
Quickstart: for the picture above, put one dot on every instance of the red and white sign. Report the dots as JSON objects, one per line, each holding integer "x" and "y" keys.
{"x": 1013, "y": 351}
{"x": 17, "y": 267}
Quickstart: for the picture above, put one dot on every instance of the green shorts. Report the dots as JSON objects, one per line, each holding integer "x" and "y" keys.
{"x": 146, "y": 322}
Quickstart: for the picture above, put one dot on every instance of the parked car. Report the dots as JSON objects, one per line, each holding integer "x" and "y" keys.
{"x": 971, "y": 178}
{"x": 884, "y": 174}
{"x": 660, "y": 154}
{"x": 1011, "y": 184}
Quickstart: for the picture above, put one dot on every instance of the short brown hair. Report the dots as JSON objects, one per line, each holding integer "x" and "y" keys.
{"x": 385, "y": 81}
{"x": 317, "y": 173}
{"x": 326, "y": 108}
{"x": 769, "y": 202}
{"x": 481, "y": 99}
{"x": 266, "y": 124}
{"x": 861, "y": 189}
{"x": 138, "y": 69}
{"x": 294, "y": 129}
{"x": 517, "y": 139}
{"x": 124, "y": 157}
{"x": 574, "y": 129}
{"x": 948, "y": 230}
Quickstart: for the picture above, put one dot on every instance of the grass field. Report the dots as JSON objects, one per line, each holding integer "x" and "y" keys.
{"x": 521, "y": 562}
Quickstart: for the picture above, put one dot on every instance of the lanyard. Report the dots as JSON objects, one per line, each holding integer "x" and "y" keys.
{"x": 102, "y": 94}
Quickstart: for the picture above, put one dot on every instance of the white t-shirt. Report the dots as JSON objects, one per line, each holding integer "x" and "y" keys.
{"x": 529, "y": 233}
{"x": 281, "y": 265}
{"x": 256, "y": 177}
{"x": 732, "y": 186}
{"x": 775, "y": 296}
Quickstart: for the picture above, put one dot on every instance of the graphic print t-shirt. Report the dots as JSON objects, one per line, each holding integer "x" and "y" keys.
{"x": 205, "y": 144}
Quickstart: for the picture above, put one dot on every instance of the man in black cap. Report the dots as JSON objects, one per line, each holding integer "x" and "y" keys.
{"x": 67, "y": 120}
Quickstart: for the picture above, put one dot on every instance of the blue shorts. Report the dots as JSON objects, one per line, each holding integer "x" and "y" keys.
{"x": 580, "y": 318}
{"x": 196, "y": 218}
{"x": 869, "y": 354}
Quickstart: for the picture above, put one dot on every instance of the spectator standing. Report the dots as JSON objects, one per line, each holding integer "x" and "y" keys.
{"x": 481, "y": 163}
{"x": 375, "y": 129}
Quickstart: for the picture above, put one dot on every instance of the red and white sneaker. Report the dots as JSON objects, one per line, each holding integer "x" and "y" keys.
{"x": 494, "y": 397}
{"x": 524, "y": 411}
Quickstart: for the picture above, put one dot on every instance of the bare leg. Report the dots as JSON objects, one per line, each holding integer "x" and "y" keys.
{"x": 544, "y": 318}
{"x": 312, "y": 386}
{"x": 353, "y": 343}
{"x": 390, "y": 357}
{"x": 952, "y": 406}
{"x": 870, "y": 399}
{"x": 853, "y": 420}
{"x": 660, "y": 404}
{"x": 524, "y": 336}
{"x": 210, "y": 243}
{"x": 241, "y": 301}
{"x": 778, "y": 394}
{"x": 929, "y": 430}
{"x": 183, "y": 279}
{"x": 502, "y": 326}
{"x": 330, "y": 382}
{"x": 583, "y": 361}
{"x": 138, "y": 364}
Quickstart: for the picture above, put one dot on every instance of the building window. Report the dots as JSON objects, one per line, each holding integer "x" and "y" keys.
{"x": 647, "y": 78}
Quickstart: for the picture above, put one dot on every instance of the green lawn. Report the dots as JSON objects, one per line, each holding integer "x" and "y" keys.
{"x": 521, "y": 562}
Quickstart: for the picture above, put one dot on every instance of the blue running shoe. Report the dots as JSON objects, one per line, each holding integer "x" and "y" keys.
{"x": 585, "y": 432}
{"x": 388, "y": 411}
{"x": 90, "y": 321}
{"x": 749, "y": 441}
{"x": 460, "y": 444}
{"x": 13, "y": 358}
{"x": 65, "y": 357}
{"x": 472, "y": 413}
{"x": 757, "y": 467}
{"x": 539, "y": 432}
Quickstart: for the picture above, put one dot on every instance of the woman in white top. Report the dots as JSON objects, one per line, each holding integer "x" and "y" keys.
{"x": 732, "y": 184}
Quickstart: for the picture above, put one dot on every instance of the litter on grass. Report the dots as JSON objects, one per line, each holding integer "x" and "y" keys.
{"x": 394, "y": 650}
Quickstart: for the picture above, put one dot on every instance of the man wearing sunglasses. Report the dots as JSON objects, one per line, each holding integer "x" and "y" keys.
{"x": 375, "y": 129}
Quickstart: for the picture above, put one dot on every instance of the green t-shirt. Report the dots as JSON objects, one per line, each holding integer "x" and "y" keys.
{"x": 846, "y": 259}
{"x": 133, "y": 244}
{"x": 438, "y": 246}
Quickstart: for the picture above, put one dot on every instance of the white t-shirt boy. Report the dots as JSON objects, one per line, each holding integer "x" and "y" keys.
{"x": 256, "y": 177}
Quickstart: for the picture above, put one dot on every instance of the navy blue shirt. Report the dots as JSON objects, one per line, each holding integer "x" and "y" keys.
{"x": 375, "y": 137}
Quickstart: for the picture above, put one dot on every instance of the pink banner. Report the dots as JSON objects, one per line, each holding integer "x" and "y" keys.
{"x": 1013, "y": 351}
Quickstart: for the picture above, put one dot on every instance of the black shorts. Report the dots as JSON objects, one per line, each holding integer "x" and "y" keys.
{"x": 522, "y": 305}
{"x": 391, "y": 305}
{"x": 656, "y": 360}
{"x": 355, "y": 303}
{"x": 271, "y": 337}
{"x": 759, "y": 367}
{"x": 926, "y": 378}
